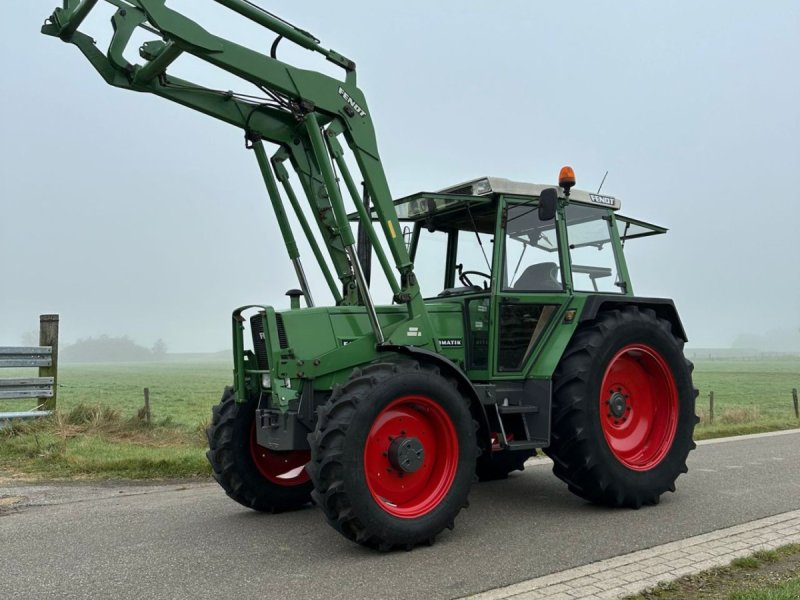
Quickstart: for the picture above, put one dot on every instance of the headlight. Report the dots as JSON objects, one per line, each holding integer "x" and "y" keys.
{"x": 266, "y": 382}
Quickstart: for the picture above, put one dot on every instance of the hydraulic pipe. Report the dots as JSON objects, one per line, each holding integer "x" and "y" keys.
{"x": 280, "y": 215}
{"x": 279, "y": 26}
{"x": 301, "y": 277}
{"x": 288, "y": 31}
{"x": 343, "y": 225}
{"x": 283, "y": 176}
{"x": 324, "y": 162}
{"x": 366, "y": 221}
{"x": 368, "y": 303}
{"x": 364, "y": 245}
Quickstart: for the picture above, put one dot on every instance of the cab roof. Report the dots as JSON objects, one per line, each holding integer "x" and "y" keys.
{"x": 490, "y": 186}
{"x": 480, "y": 193}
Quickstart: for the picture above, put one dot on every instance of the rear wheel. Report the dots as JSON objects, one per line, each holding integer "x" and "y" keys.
{"x": 623, "y": 410}
{"x": 252, "y": 475}
{"x": 393, "y": 455}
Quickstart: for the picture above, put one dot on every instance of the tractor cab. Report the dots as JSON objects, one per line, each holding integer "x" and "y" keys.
{"x": 489, "y": 235}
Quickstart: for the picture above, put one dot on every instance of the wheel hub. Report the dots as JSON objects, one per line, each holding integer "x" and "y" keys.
{"x": 617, "y": 405}
{"x": 406, "y": 454}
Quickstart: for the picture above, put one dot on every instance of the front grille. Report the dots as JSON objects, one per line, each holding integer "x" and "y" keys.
{"x": 282, "y": 339}
{"x": 259, "y": 342}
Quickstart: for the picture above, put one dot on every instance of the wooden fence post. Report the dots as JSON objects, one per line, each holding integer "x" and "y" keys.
{"x": 711, "y": 407}
{"x": 796, "y": 407}
{"x": 147, "y": 405}
{"x": 48, "y": 336}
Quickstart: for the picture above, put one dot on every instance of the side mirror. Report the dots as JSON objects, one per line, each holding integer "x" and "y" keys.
{"x": 548, "y": 201}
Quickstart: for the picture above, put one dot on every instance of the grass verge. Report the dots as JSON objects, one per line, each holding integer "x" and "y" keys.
{"x": 707, "y": 432}
{"x": 764, "y": 575}
{"x": 96, "y": 442}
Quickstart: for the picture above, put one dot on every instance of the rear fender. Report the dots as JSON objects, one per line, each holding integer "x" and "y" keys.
{"x": 663, "y": 307}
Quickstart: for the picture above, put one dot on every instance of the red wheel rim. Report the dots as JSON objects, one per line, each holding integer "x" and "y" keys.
{"x": 403, "y": 494}
{"x": 639, "y": 407}
{"x": 282, "y": 468}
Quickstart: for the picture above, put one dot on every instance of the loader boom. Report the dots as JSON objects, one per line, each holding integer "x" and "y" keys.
{"x": 302, "y": 112}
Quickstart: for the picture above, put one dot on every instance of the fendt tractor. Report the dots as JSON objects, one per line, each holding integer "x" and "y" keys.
{"x": 527, "y": 336}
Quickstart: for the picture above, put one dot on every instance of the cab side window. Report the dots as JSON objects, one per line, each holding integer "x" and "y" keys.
{"x": 594, "y": 265}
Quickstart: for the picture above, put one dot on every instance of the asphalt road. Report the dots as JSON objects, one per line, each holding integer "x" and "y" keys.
{"x": 189, "y": 541}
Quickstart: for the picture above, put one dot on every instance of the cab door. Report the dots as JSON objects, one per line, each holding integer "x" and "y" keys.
{"x": 531, "y": 296}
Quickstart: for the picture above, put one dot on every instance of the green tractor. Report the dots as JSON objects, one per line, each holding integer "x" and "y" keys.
{"x": 528, "y": 335}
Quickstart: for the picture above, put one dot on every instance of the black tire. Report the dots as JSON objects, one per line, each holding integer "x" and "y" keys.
{"x": 339, "y": 450}
{"x": 232, "y": 462}
{"x": 582, "y": 455}
{"x": 492, "y": 466}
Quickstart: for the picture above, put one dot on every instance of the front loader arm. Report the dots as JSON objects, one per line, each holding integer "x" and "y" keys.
{"x": 301, "y": 111}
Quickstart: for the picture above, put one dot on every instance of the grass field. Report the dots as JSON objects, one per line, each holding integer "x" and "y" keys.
{"x": 749, "y": 395}
{"x": 97, "y": 432}
{"x": 183, "y": 392}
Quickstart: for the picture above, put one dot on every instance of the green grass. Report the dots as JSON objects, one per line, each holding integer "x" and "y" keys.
{"x": 181, "y": 392}
{"x": 787, "y": 590}
{"x": 747, "y": 390}
{"x": 746, "y": 562}
{"x": 99, "y": 443}
{"x": 96, "y": 433}
{"x": 764, "y": 575}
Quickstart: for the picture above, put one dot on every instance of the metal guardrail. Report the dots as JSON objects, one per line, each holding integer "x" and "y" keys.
{"x": 27, "y": 356}
{"x": 43, "y": 357}
{"x": 31, "y": 387}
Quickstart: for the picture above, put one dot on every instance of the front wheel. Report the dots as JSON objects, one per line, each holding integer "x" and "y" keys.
{"x": 623, "y": 410}
{"x": 250, "y": 474}
{"x": 393, "y": 455}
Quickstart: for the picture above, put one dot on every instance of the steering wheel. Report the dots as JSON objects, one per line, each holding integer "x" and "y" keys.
{"x": 463, "y": 277}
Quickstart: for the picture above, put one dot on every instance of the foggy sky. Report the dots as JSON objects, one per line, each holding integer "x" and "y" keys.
{"x": 130, "y": 215}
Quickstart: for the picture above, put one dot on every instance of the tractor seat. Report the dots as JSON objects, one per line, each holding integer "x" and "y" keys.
{"x": 541, "y": 277}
